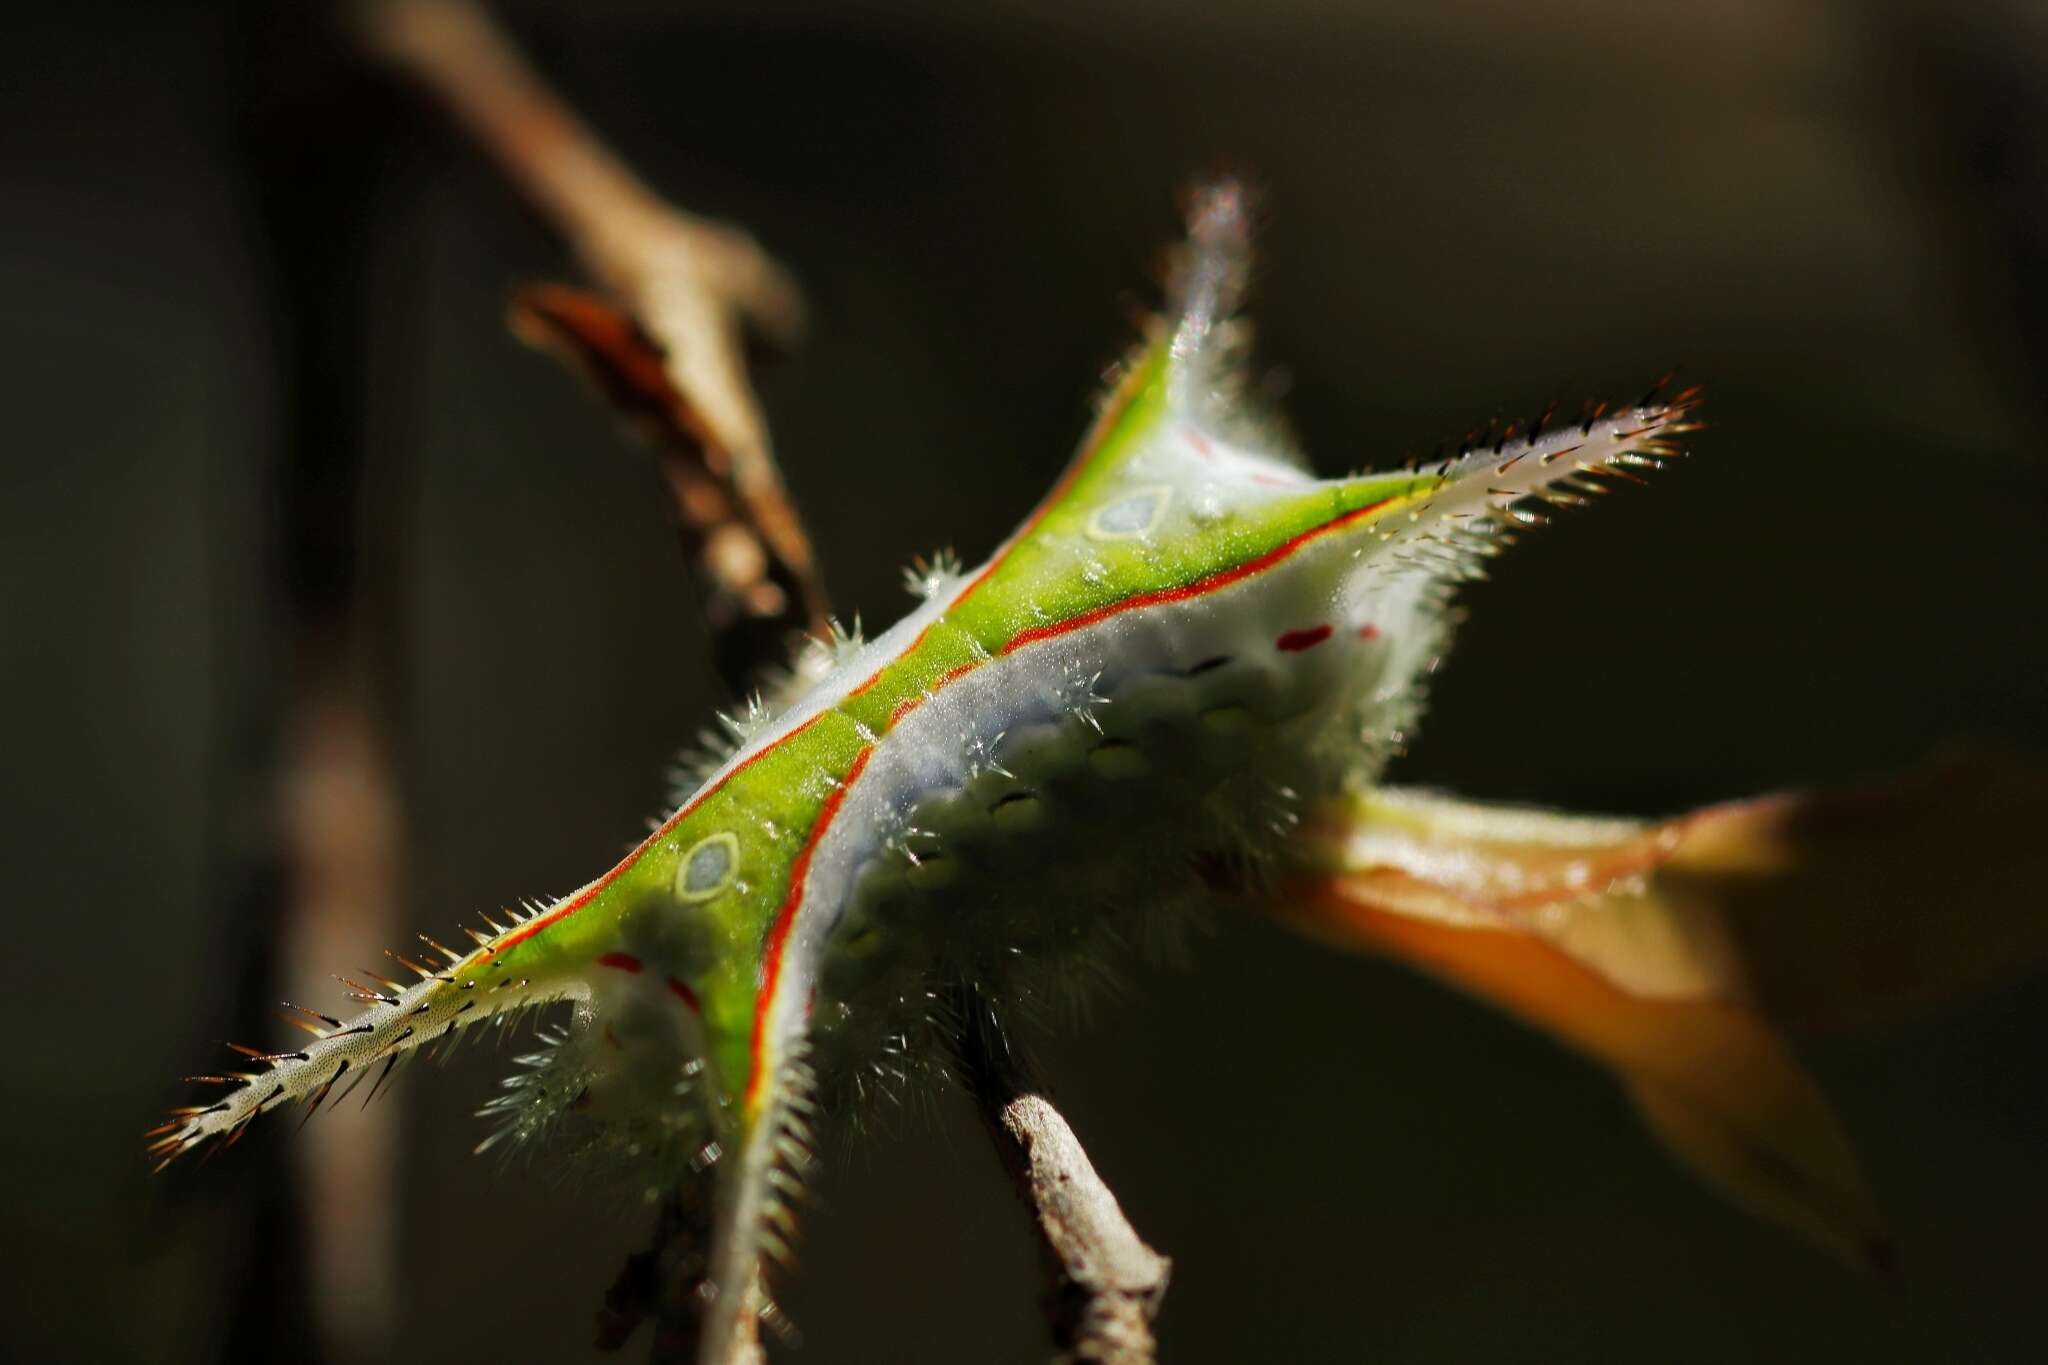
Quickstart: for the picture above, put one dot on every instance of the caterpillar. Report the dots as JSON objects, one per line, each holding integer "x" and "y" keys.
{"x": 1189, "y": 639}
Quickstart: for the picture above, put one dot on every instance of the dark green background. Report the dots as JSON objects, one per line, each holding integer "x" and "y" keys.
{"x": 1836, "y": 214}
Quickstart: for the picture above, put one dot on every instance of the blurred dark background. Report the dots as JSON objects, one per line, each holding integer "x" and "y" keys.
{"x": 245, "y": 279}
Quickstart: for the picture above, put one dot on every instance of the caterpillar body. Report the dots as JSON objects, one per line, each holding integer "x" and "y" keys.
{"x": 1188, "y": 637}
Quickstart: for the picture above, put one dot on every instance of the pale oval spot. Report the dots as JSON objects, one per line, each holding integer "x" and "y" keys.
{"x": 1131, "y": 517}
{"x": 1118, "y": 758}
{"x": 709, "y": 867}
{"x": 959, "y": 818}
{"x": 1228, "y": 719}
{"x": 1019, "y": 811}
{"x": 862, "y": 940}
{"x": 1146, "y": 698}
{"x": 1039, "y": 752}
{"x": 930, "y": 874}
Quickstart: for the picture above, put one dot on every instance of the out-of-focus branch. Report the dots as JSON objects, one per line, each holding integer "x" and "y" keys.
{"x": 342, "y": 837}
{"x": 754, "y": 601}
{"x": 671, "y": 351}
{"x": 317, "y": 881}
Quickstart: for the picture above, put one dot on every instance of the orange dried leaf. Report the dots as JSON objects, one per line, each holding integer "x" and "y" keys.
{"x": 1709, "y": 1077}
{"x": 1662, "y": 950}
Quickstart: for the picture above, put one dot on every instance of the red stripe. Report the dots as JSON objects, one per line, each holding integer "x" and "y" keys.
{"x": 908, "y": 650}
{"x": 590, "y": 892}
{"x": 1111, "y": 415}
{"x": 917, "y": 699}
{"x": 1201, "y": 587}
{"x": 625, "y": 962}
{"x": 785, "y": 917}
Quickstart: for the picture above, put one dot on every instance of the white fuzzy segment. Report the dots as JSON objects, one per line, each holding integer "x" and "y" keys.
{"x": 341, "y": 1053}
{"x": 1490, "y": 488}
{"x": 1486, "y": 498}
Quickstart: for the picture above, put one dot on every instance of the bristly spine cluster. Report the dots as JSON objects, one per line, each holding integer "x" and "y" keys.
{"x": 429, "y": 1017}
{"x": 926, "y": 579}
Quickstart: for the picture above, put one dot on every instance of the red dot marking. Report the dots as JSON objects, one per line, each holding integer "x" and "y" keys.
{"x": 1368, "y": 632}
{"x": 1294, "y": 641}
{"x": 625, "y": 962}
{"x": 683, "y": 993}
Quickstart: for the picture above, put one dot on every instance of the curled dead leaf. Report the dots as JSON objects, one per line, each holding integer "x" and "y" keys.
{"x": 1669, "y": 950}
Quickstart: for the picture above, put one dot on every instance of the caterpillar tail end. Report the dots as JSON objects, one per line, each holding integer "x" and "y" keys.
{"x": 398, "y": 1021}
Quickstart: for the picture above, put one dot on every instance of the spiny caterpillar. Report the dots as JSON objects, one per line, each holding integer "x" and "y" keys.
{"x": 1189, "y": 639}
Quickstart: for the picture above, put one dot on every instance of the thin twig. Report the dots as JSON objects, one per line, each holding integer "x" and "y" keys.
{"x": 1106, "y": 1282}
{"x": 672, "y": 359}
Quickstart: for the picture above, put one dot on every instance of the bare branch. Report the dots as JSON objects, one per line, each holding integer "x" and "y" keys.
{"x": 1115, "y": 1278}
{"x": 1107, "y": 1284}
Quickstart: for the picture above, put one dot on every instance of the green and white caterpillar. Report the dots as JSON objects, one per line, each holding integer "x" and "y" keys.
{"x": 1190, "y": 637}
